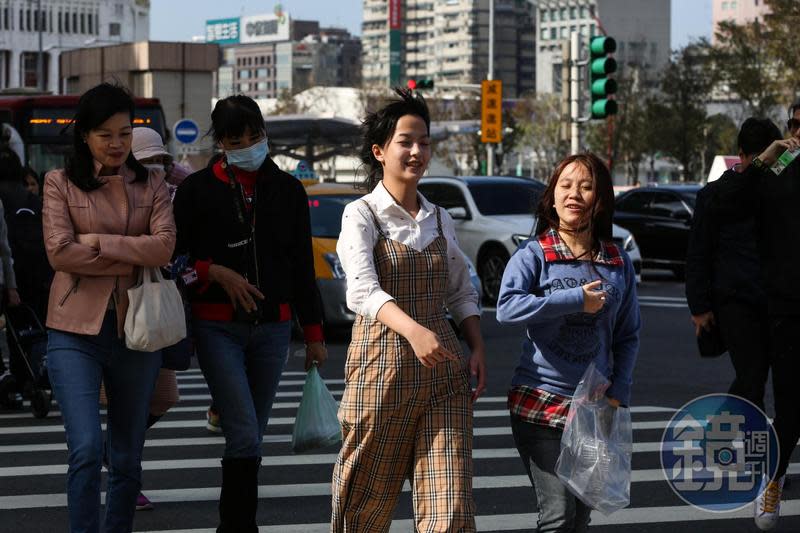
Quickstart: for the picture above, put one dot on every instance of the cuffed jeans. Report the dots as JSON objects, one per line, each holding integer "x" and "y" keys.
{"x": 77, "y": 364}
{"x": 242, "y": 364}
{"x": 539, "y": 447}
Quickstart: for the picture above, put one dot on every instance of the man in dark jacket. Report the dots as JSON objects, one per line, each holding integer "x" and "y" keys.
{"x": 775, "y": 198}
{"x": 723, "y": 278}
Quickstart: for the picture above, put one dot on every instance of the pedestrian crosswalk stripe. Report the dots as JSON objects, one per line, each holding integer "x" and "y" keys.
{"x": 289, "y": 420}
{"x": 299, "y": 490}
{"x": 271, "y": 460}
{"x": 526, "y": 521}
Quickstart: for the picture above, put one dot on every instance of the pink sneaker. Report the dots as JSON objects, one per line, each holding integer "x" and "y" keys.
{"x": 143, "y": 504}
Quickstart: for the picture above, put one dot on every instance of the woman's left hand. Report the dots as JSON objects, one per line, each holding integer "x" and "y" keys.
{"x": 477, "y": 368}
{"x": 613, "y": 402}
{"x": 315, "y": 353}
{"x": 92, "y": 240}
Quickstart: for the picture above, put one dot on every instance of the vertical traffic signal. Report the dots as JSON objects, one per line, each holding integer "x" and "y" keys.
{"x": 600, "y": 66}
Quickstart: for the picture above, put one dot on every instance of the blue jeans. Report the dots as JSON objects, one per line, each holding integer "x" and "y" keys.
{"x": 77, "y": 364}
{"x": 242, "y": 364}
{"x": 559, "y": 510}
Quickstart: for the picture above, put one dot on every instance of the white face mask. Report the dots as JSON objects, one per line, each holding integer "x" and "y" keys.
{"x": 250, "y": 158}
{"x": 156, "y": 169}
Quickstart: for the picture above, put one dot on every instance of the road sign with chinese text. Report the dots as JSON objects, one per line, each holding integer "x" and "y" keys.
{"x": 491, "y": 111}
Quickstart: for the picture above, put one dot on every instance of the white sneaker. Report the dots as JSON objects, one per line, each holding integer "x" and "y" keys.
{"x": 767, "y": 507}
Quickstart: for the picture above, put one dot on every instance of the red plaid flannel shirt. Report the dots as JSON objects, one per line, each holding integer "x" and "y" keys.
{"x": 538, "y": 406}
{"x": 556, "y": 250}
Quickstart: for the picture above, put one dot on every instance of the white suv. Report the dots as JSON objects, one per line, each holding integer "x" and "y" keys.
{"x": 493, "y": 215}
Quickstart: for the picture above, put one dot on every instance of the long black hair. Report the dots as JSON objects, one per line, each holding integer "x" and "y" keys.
{"x": 232, "y": 115}
{"x": 599, "y": 219}
{"x": 378, "y": 128}
{"x": 95, "y": 106}
{"x": 10, "y": 166}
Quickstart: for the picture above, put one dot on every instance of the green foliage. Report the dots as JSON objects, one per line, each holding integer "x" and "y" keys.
{"x": 686, "y": 85}
{"x": 782, "y": 24}
{"x": 743, "y": 65}
{"x": 537, "y": 121}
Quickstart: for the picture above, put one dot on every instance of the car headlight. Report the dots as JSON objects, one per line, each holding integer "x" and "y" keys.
{"x": 518, "y": 238}
{"x": 630, "y": 243}
{"x": 335, "y": 264}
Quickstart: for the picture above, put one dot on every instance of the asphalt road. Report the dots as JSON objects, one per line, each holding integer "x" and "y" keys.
{"x": 181, "y": 460}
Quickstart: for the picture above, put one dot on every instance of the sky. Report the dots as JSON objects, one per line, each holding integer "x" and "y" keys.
{"x": 690, "y": 18}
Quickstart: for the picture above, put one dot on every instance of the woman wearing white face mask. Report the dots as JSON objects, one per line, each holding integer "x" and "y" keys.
{"x": 149, "y": 150}
{"x": 244, "y": 225}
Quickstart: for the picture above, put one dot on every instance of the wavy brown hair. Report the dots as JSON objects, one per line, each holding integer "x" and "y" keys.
{"x": 599, "y": 217}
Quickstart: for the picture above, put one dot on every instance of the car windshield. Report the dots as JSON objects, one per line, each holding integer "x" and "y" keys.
{"x": 498, "y": 198}
{"x": 326, "y": 214}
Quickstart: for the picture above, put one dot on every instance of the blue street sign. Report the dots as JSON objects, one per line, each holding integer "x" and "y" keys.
{"x": 186, "y": 131}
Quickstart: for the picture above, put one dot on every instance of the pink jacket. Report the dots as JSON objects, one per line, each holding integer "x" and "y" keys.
{"x": 96, "y": 240}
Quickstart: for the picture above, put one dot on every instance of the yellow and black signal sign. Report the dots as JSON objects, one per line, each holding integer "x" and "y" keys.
{"x": 491, "y": 111}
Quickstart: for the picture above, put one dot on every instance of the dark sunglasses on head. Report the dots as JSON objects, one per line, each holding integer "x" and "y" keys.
{"x": 793, "y": 123}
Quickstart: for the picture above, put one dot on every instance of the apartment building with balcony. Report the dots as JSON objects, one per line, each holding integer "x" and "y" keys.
{"x": 448, "y": 41}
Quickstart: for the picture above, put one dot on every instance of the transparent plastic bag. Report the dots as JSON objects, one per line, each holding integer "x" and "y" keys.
{"x": 316, "y": 425}
{"x": 596, "y": 447}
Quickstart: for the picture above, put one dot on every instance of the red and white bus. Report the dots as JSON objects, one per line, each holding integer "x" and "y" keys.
{"x": 42, "y": 120}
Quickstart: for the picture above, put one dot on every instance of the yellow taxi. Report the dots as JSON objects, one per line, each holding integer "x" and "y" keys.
{"x": 326, "y": 203}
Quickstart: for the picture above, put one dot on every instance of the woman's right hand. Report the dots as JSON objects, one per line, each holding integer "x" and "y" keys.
{"x": 428, "y": 347}
{"x": 240, "y": 291}
{"x": 593, "y": 299}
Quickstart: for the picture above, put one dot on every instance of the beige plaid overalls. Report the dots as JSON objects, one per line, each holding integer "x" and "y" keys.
{"x": 399, "y": 419}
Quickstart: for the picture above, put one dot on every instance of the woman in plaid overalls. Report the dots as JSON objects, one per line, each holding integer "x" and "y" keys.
{"x": 407, "y": 406}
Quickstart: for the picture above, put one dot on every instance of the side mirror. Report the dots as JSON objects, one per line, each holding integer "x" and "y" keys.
{"x": 459, "y": 213}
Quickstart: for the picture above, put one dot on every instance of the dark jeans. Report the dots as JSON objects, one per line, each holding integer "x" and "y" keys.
{"x": 242, "y": 364}
{"x": 77, "y": 365}
{"x": 559, "y": 510}
{"x": 785, "y": 358}
{"x": 745, "y": 330}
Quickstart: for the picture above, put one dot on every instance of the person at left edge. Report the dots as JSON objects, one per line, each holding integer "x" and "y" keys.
{"x": 245, "y": 226}
{"x": 105, "y": 217}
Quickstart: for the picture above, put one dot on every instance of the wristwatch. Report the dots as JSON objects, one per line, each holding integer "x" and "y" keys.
{"x": 758, "y": 163}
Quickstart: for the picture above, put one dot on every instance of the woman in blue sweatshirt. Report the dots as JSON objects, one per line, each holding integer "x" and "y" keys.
{"x": 575, "y": 291}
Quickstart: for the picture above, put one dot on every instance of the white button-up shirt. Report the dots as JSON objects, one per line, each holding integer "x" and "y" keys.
{"x": 357, "y": 240}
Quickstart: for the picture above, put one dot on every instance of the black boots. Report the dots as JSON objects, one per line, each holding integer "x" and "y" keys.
{"x": 238, "y": 499}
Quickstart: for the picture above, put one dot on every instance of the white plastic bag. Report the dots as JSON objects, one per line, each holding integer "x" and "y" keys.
{"x": 596, "y": 447}
{"x": 316, "y": 425}
{"x": 155, "y": 317}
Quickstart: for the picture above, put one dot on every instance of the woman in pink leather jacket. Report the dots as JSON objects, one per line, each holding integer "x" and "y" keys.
{"x": 105, "y": 217}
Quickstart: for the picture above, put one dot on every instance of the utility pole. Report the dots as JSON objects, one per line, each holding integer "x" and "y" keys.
{"x": 574, "y": 91}
{"x": 40, "y": 59}
{"x": 566, "y": 64}
{"x": 490, "y": 76}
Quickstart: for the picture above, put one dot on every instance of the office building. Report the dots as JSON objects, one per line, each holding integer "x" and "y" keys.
{"x": 63, "y": 25}
{"x": 448, "y": 41}
{"x": 641, "y": 29}
{"x": 265, "y": 55}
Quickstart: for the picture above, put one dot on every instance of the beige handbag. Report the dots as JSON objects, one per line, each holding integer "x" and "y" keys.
{"x": 155, "y": 317}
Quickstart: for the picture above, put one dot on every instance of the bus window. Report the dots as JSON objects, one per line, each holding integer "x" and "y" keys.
{"x": 51, "y": 122}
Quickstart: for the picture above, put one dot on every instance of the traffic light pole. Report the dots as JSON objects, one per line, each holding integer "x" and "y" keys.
{"x": 490, "y": 76}
{"x": 574, "y": 92}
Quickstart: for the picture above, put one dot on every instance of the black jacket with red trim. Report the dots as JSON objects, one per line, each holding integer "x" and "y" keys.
{"x": 209, "y": 232}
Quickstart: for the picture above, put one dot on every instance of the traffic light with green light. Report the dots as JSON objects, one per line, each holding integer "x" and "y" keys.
{"x": 600, "y": 66}
{"x": 425, "y": 83}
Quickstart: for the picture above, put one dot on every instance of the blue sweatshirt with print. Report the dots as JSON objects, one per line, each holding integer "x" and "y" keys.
{"x": 561, "y": 340}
